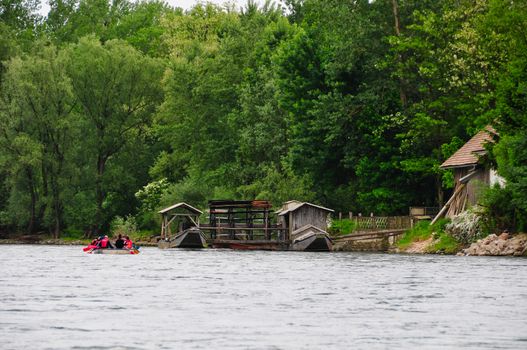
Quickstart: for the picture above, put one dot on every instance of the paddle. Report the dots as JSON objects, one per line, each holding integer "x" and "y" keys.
{"x": 89, "y": 248}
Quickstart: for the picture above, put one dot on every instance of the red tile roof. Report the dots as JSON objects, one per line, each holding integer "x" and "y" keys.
{"x": 468, "y": 154}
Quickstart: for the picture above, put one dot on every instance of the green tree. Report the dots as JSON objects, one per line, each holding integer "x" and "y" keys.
{"x": 117, "y": 89}
{"x": 38, "y": 102}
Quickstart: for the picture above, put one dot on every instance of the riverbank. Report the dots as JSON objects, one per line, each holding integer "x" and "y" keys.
{"x": 443, "y": 237}
{"x": 60, "y": 241}
{"x": 504, "y": 244}
{"x": 493, "y": 245}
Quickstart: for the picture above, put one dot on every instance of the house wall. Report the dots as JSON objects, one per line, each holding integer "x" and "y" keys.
{"x": 476, "y": 184}
{"x": 308, "y": 215}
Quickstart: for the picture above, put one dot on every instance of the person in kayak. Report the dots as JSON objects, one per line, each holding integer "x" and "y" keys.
{"x": 105, "y": 243}
{"x": 128, "y": 243}
{"x": 95, "y": 244}
{"x": 119, "y": 242}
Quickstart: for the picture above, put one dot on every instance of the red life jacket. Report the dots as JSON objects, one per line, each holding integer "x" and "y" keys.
{"x": 129, "y": 244}
{"x": 104, "y": 243}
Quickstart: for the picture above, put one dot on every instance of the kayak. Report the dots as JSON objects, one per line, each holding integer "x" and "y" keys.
{"x": 114, "y": 251}
{"x": 111, "y": 251}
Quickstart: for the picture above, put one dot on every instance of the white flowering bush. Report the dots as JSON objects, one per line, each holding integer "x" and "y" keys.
{"x": 465, "y": 227}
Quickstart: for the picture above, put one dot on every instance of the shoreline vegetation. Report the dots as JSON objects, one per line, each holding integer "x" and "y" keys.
{"x": 351, "y": 105}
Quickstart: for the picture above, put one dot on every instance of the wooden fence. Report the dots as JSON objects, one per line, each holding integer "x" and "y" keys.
{"x": 379, "y": 223}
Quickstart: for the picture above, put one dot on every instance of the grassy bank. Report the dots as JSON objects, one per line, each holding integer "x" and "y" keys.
{"x": 439, "y": 240}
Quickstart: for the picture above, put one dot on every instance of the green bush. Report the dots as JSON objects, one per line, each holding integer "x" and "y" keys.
{"x": 72, "y": 235}
{"x": 342, "y": 227}
{"x": 143, "y": 235}
{"x": 445, "y": 244}
{"x": 125, "y": 226}
{"x": 499, "y": 212}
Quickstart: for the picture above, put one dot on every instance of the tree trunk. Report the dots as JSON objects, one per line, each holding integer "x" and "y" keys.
{"x": 439, "y": 191}
{"x": 32, "y": 207}
{"x": 100, "y": 192}
{"x": 57, "y": 208}
{"x": 397, "y": 26}
{"x": 395, "y": 9}
{"x": 45, "y": 193}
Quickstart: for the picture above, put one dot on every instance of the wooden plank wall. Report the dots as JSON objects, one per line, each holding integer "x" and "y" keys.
{"x": 308, "y": 215}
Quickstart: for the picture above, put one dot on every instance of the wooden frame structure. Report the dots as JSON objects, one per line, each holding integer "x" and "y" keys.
{"x": 244, "y": 224}
{"x": 178, "y": 213}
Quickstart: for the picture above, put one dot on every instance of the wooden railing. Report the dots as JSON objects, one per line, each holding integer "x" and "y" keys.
{"x": 378, "y": 223}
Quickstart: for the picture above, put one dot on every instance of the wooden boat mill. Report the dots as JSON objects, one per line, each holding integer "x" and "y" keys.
{"x": 247, "y": 225}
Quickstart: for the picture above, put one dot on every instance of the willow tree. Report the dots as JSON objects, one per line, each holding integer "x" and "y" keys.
{"x": 118, "y": 89}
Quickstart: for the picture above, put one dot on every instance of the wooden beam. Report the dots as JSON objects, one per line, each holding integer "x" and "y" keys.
{"x": 241, "y": 228}
{"x": 447, "y": 204}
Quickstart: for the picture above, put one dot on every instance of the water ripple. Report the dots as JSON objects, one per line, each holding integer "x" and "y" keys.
{"x": 223, "y": 299}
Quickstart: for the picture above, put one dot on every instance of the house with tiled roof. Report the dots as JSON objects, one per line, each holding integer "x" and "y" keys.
{"x": 470, "y": 174}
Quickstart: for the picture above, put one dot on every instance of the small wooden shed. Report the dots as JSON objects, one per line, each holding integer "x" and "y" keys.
{"x": 295, "y": 215}
{"x": 181, "y": 215}
{"x": 469, "y": 173}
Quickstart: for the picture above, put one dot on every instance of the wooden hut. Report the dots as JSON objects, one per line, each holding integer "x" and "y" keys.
{"x": 469, "y": 173}
{"x": 186, "y": 220}
{"x": 306, "y": 225}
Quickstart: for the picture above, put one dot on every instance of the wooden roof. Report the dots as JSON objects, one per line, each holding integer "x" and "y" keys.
{"x": 185, "y": 206}
{"x": 295, "y": 205}
{"x": 217, "y": 203}
{"x": 469, "y": 153}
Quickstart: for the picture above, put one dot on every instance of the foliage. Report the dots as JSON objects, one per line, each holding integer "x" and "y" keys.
{"x": 115, "y": 108}
{"x": 142, "y": 235}
{"x": 499, "y": 212}
{"x": 124, "y": 226}
{"x": 421, "y": 232}
{"x": 465, "y": 227}
{"x": 72, "y": 235}
{"x": 150, "y": 195}
{"x": 341, "y": 227}
{"x": 445, "y": 244}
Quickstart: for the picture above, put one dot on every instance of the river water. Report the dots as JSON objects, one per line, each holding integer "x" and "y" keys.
{"x": 54, "y": 297}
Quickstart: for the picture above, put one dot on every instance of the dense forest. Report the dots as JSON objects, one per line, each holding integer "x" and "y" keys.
{"x": 116, "y": 108}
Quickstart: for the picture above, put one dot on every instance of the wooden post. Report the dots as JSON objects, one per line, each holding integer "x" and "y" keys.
{"x": 266, "y": 219}
{"x": 351, "y": 215}
{"x": 290, "y": 231}
{"x": 340, "y": 215}
{"x": 162, "y": 226}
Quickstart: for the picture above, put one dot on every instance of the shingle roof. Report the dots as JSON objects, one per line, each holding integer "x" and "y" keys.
{"x": 468, "y": 154}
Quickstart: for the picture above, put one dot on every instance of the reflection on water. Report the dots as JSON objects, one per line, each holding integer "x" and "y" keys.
{"x": 61, "y": 298}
